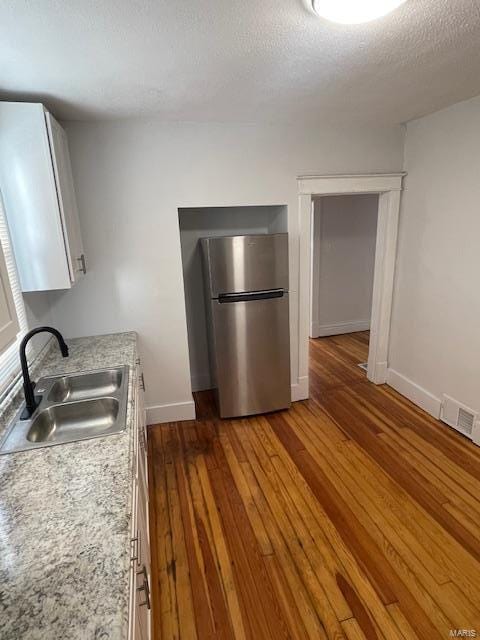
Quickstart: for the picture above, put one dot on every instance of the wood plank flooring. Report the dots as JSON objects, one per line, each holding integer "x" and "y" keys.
{"x": 352, "y": 515}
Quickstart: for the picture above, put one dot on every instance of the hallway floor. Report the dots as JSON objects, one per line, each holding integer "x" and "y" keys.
{"x": 352, "y": 515}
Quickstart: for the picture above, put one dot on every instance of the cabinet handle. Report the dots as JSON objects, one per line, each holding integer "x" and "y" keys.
{"x": 142, "y": 382}
{"x": 135, "y": 547}
{"x": 83, "y": 265}
{"x": 137, "y": 361}
{"x": 144, "y": 587}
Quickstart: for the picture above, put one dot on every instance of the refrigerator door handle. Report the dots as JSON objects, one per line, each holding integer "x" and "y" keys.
{"x": 251, "y": 295}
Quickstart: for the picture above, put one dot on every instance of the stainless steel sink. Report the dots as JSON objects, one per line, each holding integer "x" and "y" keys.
{"x": 89, "y": 385}
{"x": 74, "y": 407}
{"x": 75, "y": 420}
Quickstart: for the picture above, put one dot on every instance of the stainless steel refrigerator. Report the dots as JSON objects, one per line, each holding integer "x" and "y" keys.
{"x": 246, "y": 284}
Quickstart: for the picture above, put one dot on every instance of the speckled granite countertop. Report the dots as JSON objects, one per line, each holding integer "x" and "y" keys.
{"x": 65, "y": 518}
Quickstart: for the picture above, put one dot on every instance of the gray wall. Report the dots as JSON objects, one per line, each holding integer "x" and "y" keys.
{"x": 344, "y": 236}
{"x": 132, "y": 176}
{"x": 435, "y": 337}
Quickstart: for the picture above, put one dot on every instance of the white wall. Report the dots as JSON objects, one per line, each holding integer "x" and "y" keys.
{"x": 39, "y": 313}
{"x": 435, "y": 339}
{"x": 344, "y": 236}
{"x": 202, "y": 223}
{"x": 132, "y": 176}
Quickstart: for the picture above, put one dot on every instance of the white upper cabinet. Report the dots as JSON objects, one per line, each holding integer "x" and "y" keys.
{"x": 37, "y": 186}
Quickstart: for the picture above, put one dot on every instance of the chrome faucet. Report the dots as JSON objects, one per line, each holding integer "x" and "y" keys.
{"x": 28, "y": 386}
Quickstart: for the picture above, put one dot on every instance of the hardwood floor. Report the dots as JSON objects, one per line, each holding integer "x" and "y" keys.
{"x": 352, "y": 515}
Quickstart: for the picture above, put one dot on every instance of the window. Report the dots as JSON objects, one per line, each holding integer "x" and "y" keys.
{"x": 9, "y": 361}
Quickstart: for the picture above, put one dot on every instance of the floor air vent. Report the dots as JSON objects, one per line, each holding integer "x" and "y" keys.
{"x": 465, "y": 421}
{"x": 458, "y": 416}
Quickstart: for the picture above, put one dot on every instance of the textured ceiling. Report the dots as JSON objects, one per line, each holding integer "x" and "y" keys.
{"x": 237, "y": 60}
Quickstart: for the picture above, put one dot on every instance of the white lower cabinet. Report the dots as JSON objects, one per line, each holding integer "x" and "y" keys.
{"x": 140, "y": 573}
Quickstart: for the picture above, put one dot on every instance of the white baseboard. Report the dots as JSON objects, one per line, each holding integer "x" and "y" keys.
{"x": 476, "y": 433}
{"x": 175, "y": 412}
{"x": 300, "y": 389}
{"x": 178, "y": 411}
{"x": 414, "y": 392}
{"x": 380, "y": 373}
{"x": 318, "y": 330}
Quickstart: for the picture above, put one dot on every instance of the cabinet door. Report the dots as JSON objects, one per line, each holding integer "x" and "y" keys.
{"x": 142, "y": 430}
{"x": 132, "y": 608}
{"x": 8, "y": 313}
{"x": 142, "y": 477}
{"x": 141, "y": 602}
{"x": 143, "y": 605}
{"x": 66, "y": 197}
{"x": 142, "y": 515}
{"x": 142, "y": 579}
{"x": 30, "y": 197}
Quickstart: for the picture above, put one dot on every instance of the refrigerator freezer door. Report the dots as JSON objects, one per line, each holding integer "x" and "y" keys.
{"x": 252, "y": 356}
{"x": 245, "y": 263}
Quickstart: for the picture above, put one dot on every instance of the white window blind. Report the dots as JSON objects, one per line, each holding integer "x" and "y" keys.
{"x": 9, "y": 360}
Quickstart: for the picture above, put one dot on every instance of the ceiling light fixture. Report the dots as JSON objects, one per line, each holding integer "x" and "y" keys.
{"x": 354, "y": 11}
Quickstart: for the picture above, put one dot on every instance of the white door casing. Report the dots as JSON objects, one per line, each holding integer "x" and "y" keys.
{"x": 388, "y": 186}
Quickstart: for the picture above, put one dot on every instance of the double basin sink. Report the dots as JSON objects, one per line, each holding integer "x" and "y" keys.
{"x": 73, "y": 407}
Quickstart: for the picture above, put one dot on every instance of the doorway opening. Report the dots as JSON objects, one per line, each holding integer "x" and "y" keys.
{"x": 344, "y": 231}
{"x": 388, "y": 188}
